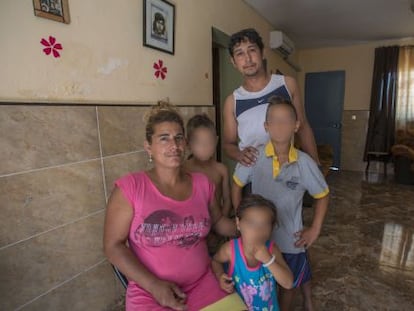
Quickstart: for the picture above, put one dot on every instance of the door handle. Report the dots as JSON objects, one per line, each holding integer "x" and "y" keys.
{"x": 336, "y": 125}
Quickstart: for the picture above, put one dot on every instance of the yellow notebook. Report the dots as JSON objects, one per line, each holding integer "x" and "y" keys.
{"x": 231, "y": 302}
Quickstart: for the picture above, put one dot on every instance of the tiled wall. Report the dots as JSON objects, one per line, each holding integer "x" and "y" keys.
{"x": 354, "y": 132}
{"x": 57, "y": 167}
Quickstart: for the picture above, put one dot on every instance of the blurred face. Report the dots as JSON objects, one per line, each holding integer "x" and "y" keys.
{"x": 247, "y": 58}
{"x": 256, "y": 225}
{"x": 167, "y": 145}
{"x": 160, "y": 26}
{"x": 281, "y": 124}
{"x": 203, "y": 143}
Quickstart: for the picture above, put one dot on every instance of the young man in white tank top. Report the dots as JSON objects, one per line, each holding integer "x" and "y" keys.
{"x": 245, "y": 109}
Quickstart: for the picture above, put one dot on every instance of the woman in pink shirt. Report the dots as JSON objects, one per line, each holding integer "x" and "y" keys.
{"x": 165, "y": 215}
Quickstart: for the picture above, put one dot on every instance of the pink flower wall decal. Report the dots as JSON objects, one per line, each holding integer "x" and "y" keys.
{"x": 51, "y": 46}
{"x": 160, "y": 70}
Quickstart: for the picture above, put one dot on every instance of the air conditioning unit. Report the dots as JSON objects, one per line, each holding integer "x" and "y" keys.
{"x": 280, "y": 42}
{"x": 283, "y": 45}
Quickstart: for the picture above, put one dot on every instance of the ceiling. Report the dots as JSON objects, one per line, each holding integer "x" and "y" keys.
{"x": 323, "y": 23}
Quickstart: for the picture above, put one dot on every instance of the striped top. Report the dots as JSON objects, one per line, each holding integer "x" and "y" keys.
{"x": 250, "y": 111}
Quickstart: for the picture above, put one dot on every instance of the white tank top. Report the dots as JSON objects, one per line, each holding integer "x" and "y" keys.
{"x": 250, "y": 111}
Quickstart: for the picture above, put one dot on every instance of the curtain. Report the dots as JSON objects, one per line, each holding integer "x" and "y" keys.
{"x": 404, "y": 114}
{"x": 381, "y": 124}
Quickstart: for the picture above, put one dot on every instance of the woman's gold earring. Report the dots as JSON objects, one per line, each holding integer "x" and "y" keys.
{"x": 150, "y": 158}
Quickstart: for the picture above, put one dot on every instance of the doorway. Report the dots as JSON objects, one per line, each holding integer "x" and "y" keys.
{"x": 225, "y": 80}
{"x": 324, "y": 102}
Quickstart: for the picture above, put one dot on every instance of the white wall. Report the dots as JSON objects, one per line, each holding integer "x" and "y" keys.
{"x": 103, "y": 59}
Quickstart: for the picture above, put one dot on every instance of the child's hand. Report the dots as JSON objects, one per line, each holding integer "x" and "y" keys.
{"x": 306, "y": 237}
{"x": 261, "y": 253}
{"x": 226, "y": 283}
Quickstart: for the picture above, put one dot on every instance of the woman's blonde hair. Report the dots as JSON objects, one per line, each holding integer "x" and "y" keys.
{"x": 162, "y": 112}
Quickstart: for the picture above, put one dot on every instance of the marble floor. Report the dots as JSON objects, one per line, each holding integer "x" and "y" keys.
{"x": 364, "y": 258}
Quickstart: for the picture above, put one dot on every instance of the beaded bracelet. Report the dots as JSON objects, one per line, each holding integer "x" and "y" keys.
{"x": 272, "y": 260}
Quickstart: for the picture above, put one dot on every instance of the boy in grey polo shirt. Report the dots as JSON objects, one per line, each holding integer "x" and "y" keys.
{"x": 282, "y": 174}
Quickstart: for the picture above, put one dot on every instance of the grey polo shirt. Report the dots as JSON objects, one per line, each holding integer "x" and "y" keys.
{"x": 285, "y": 186}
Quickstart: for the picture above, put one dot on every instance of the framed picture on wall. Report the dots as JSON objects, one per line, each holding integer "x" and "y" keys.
{"x": 57, "y": 10}
{"x": 159, "y": 25}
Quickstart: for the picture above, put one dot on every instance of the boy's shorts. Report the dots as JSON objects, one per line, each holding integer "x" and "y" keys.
{"x": 300, "y": 267}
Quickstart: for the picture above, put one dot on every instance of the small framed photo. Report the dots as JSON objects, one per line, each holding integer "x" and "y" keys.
{"x": 159, "y": 25}
{"x": 57, "y": 10}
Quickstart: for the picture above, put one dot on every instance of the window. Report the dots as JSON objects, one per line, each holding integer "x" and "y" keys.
{"x": 404, "y": 114}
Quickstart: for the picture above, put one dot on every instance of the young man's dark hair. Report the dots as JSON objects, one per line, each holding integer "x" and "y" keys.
{"x": 249, "y": 34}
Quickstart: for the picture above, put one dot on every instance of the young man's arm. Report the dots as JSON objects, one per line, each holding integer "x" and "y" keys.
{"x": 248, "y": 155}
{"x": 226, "y": 190}
{"x": 308, "y": 236}
{"x": 305, "y": 132}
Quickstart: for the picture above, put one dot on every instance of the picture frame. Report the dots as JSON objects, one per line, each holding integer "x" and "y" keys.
{"x": 159, "y": 25}
{"x": 56, "y": 10}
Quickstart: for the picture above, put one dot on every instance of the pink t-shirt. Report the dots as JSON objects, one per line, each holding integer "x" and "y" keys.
{"x": 168, "y": 236}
